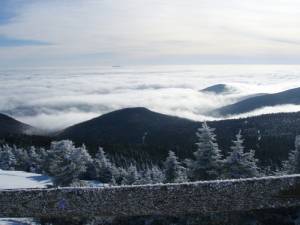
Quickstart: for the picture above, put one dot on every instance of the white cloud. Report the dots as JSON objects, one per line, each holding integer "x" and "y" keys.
{"x": 54, "y": 98}
{"x": 135, "y": 31}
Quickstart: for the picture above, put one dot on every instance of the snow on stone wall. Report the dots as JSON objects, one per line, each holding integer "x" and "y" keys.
{"x": 164, "y": 199}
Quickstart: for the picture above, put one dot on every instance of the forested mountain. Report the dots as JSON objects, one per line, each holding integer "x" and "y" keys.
{"x": 15, "y": 132}
{"x": 291, "y": 96}
{"x": 9, "y": 125}
{"x": 146, "y": 135}
{"x": 134, "y": 132}
{"x": 141, "y": 133}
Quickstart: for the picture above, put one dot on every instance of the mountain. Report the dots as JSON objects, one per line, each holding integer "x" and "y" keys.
{"x": 15, "y": 132}
{"x": 219, "y": 89}
{"x": 9, "y": 125}
{"x": 132, "y": 130}
{"x": 291, "y": 96}
{"x": 145, "y": 135}
{"x": 142, "y": 134}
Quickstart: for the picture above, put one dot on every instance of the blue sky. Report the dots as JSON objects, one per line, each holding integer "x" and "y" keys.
{"x": 14, "y": 42}
{"x": 94, "y": 32}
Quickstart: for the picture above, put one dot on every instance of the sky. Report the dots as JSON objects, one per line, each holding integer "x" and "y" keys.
{"x": 138, "y": 32}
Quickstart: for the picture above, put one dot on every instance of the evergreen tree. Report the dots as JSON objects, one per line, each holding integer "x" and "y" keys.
{"x": 21, "y": 157}
{"x": 43, "y": 157}
{"x": 157, "y": 175}
{"x": 119, "y": 175}
{"x": 174, "y": 171}
{"x": 34, "y": 160}
{"x": 132, "y": 175}
{"x": 7, "y": 158}
{"x": 102, "y": 169}
{"x": 66, "y": 162}
{"x": 292, "y": 165}
{"x": 207, "y": 163}
{"x": 240, "y": 164}
{"x": 145, "y": 177}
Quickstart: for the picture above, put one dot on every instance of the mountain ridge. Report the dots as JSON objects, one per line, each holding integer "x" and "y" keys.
{"x": 291, "y": 96}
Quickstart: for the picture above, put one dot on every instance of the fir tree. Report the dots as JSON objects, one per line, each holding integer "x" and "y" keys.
{"x": 207, "y": 163}
{"x": 240, "y": 164}
{"x": 132, "y": 175}
{"x": 7, "y": 158}
{"x": 22, "y": 158}
{"x": 34, "y": 160}
{"x": 174, "y": 171}
{"x": 66, "y": 162}
{"x": 145, "y": 177}
{"x": 292, "y": 165}
{"x": 119, "y": 175}
{"x": 157, "y": 175}
{"x": 102, "y": 168}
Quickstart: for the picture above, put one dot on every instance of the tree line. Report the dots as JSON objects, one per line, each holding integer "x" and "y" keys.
{"x": 69, "y": 165}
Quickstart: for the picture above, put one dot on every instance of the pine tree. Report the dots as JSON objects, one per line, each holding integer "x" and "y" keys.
{"x": 240, "y": 164}
{"x": 102, "y": 169}
{"x": 207, "y": 163}
{"x": 34, "y": 160}
{"x": 132, "y": 175}
{"x": 157, "y": 175}
{"x": 292, "y": 165}
{"x": 66, "y": 162}
{"x": 174, "y": 171}
{"x": 7, "y": 158}
{"x": 22, "y": 158}
{"x": 119, "y": 175}
{"x": 145, "y": 177}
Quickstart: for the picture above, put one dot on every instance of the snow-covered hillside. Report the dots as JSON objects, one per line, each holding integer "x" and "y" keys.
{"x": 20, "y": 179}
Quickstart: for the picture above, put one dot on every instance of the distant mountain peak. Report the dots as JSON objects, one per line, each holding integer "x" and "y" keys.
{"x": 219, "y": 89}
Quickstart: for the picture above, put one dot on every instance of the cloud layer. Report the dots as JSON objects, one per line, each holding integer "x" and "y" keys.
{"x": 53, "y": 98}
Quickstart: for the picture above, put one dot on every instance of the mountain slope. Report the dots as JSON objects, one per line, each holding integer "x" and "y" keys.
{"x": 291, "y": 96}
{"x": 9, "y": 125}
{"x": 15, "y": 132}
{"x": 139, "y": 127}
{"x": 142, "y": 134}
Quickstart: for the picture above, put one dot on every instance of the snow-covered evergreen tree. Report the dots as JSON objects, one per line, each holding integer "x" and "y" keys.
{"x": 66, "y": 162}
{"x": 207, "y": 163}
{"x": 240, "y": 164}
{"x": 145, "y": 177}
{"x": 132, "y": 176}
{"x": 102, "y": 169}
{"x": 7, "y": 158}
{"x": 119, "y": 175}
{"x": 22, "y": 158}
{"x": 34, "y": 160}
{"x": 157, "y": 175}
{"x": 174, "y": 171}
{"x": 292, "y": 165}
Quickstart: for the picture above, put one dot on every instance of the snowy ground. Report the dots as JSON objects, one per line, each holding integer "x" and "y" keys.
{"x": 20, "y": 179}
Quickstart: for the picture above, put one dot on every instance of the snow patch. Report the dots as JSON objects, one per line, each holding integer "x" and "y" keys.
{"x": 21, "y": 179}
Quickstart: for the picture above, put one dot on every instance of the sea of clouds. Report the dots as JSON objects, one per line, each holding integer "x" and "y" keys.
{"x": 54, "y": 98}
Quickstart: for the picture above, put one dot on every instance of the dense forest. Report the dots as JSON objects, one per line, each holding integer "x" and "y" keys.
{"x": 69, "y": 165}
{"x": 143, "y": 135}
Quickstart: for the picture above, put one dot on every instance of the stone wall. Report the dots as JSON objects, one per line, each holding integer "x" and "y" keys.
{"x": 165, "y": 199}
